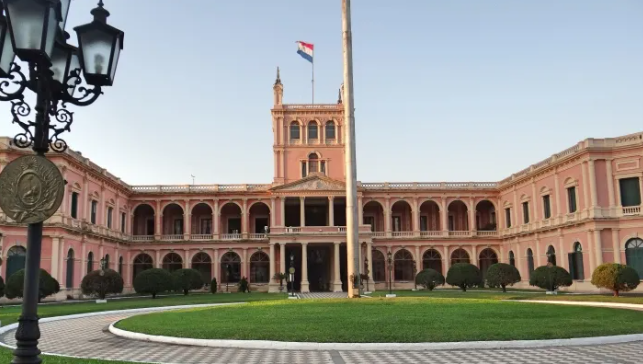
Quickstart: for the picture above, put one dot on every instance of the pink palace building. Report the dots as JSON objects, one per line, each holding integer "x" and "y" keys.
{"x": 577, "y": 209}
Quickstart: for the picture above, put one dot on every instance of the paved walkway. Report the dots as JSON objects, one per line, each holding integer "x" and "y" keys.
{"x": 88, "y": 337}
{"x": 322, "y": 295}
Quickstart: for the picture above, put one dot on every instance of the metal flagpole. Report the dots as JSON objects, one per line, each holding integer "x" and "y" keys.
{"x": 352, "y": 225}
{"x": 313, "y": 80}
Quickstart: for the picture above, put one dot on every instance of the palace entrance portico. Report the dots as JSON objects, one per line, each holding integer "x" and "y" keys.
{"x": 319, "y": 266}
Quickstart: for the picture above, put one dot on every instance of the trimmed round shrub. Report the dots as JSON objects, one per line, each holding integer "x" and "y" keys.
{"x": 615, "y": 277}
{"x": 95, "y": 284}
{"x": 429, "y": 279}
{"x": 153, "y": 281}
{"x": 1, "y": 287}
{"x": 187, "y": 279}
{"x": 243, "y": 285}
{"x": 464, "y": 275}
{"x": 213, "y": 286}
{"x": 550, "y": 278}
{"x": 15, "y": 285}
{"x": 502, "y": 275}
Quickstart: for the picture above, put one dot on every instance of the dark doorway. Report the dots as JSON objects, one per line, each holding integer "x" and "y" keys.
{"x": 295, "y": 251}
{"x": 342, "y": 267}
{"x": 316, "y": 211}
{"x": 260, "y": 225}
{"x": 150, "y": 227}
{"x": 234, "y": 225}
{"x": 319, "y": 257}
{"x": 292, "y": 212}
{"x": 340, "y": 211}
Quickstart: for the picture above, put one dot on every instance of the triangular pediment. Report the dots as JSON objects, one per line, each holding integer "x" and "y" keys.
{"x": 314, "y": 183}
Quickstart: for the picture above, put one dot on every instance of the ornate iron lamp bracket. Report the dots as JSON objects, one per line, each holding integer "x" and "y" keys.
{"x": 16, "y": 78}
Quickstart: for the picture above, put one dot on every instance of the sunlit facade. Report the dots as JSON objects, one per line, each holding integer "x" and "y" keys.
{"x": 577, "y": 209}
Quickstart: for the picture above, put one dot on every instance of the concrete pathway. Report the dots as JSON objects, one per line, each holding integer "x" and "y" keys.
{"x": 87, "y": 337}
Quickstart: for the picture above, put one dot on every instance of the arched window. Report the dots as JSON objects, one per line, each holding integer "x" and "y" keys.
{"x": 69, "y": 279}
{"x": 259, "y": 268}
{"x": 459, "y": 256}
{"x": 142, "y": 262}
{"x": 576, "y": 268}
{"x": 487, "y": 258}
{"x": 172, "y": 262}
{"x": 313, "y": 131}
{"x": 313, "y": 163}
{"x": 530, "y": 261}
{"x": 330, "y": 130}
{"x": 551, "y": 255}
{"x": 203, "y": 263}
{"x": 230, "y": 268}
{"x": 106, "y": 261}
{"x": 120, "y": 265}
{"x": 432, "y": 260}
{"x": 512, "y": 258}
{"x": 634, "y": 255}
{"x": 16, "y": 258}
{"x": 379, "y": 266}
{"x": 403, "y": 265}
{"x": 294, "y": 131}
{"x": 90, "y": 262}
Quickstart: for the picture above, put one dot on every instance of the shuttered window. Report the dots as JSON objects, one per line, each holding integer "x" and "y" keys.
{"x": 630, "y": 191}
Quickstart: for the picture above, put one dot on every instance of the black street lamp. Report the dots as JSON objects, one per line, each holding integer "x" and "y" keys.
{"x": 390, "y": 272}
{"x": 227, "y": 276}
{"x": 34, "y": 31}
{"x": 103, "y": 266}
{"x": 291, "y": 273}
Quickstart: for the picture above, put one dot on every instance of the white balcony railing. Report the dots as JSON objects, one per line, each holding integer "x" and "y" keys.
{"x": 379, "y": 234}
{"x": 258, "y": 236}
{"x": 142, "y": 237}
{"x": 201, "y": 236}
{"x": 459, "y": 233}
{"x": 431, "y": 234}
{"x": 172, "y": 237}
{"x": 486, "y": 233}
{"x": 230, "y": 236}
{"x": 402, "y": 234}
{"x": 631, "y": 210}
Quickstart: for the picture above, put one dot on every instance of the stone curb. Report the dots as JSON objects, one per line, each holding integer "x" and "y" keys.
{"x": 469, "y": 345}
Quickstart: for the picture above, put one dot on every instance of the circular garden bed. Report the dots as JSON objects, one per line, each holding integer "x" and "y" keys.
{"x": 401, "y": 320}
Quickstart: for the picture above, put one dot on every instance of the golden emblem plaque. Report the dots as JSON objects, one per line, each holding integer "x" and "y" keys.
{"x": 31, "y": 189}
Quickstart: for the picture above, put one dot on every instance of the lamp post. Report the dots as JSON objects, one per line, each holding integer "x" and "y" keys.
{"x": 291, "y": 274}
{"x": 103, "y": 265}
{"x": 34, "y": 32}
{"x": 366, "y": 273}
{"x": 390, "y": 272}
{"x": 227, "y": 276}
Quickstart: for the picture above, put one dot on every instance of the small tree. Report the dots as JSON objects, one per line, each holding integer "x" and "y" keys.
{"x": 95, "y": 284}
{"x": 550, "y": 277}
{"x": 213, "y": 286}
{"x": 243, "y": 285}
{"x": 464, "y": 275}
{"x": 187, "y": 279}
{"x": 280, "y": 277}
{"x": 615, "y": 277}
{"x": 502, "y": 275}
{"x": 429, "y": 279}
{"x": 153, "y": 281}
{"x": 47, "y": 286}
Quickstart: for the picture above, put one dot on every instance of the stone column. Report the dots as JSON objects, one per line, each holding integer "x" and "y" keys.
{"x": 331, "y": 210}
{"x": 245, "y": 219}
{"x": 418, "y": 261}
{"x": 502, "y": 258}
{"x": 304, "y": 268}
{"x": 159, "y": 219}
{"x": 360, "y": 211}
{"x": 369, "y": 256}
{"x": 557, "y": 195}
{"x": 534, "y": 217}
{"x": 55, "y": 253}
{"x": 592, "y": 187}
{"x": 474, "y": 252}
{"x": 282, "y": 258}
{"x": 215, "y": 265}
{"x": 586, "y": 187}
{"x": 598, "y": 247}
{"x": 539, "y": 256}
{"x": 415, "y": 219}
{"x": 472, "y": 216}
{"x": 129, "y": 269}
{"x": 302, "y": 211}
{"x": 446, "y": 259}
{"x": 215, "y": 220}
{"x": 561, "y": 258}
{"x": 159, "y": 264}
{"x": 616, "y": 246}
{"x": 187, "y": 221}
{"x": 272, "y": 213}
{"x": 444, "y": 215}
{"x": 186, "y": 259}
{"x": 273, "y": 286}
{"x": 387, "y": 217}
{"x": 610, "y": 187}
{"x": 244, "y": 265}
{"x": 283, "y": 212}
{"x": 337, "y": 282}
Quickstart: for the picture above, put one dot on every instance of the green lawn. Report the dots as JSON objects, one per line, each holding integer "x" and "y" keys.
{"x": 10, "y": 315}
{"x": 386, "y": 320}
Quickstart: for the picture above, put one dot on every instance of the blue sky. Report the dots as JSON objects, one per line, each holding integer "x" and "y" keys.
{"x": 444, "y": 90}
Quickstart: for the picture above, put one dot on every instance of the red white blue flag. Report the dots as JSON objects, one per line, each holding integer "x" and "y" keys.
{"x": 305, "y": 50}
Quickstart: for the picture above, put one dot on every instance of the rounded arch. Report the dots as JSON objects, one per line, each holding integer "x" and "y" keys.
{"x": 202, "y": 262}
{"x": 373, "y": 215}
{"x": 107, "y": 262}
{"x": 141, "y": 262}
{"x": 313, "y": 129}
{"x": 120, "y": 265}
{"x": 432, "y": 259}
{"x": 90, "y": 261}
{"x": 400, "y": 202}
{"x": 429, "y": 202}
{"x": 551, "y": 255}
{"x": 230, "y": 267}
{"x": 330, "y": 130}
{"x": 259, "y": 267}
{"x": 512, "y": 258}
{"x": 230, "y": 203}
{"x": 634, "y": 254}
{"x": 487, "y": 258}
{"x": 372, "y": 203}
{"x": 403, "y": 265}
{"x": 172, "y": 261}
{"x": 456, "y": 202}
{"x": 295, "y": 122}
{"x": 486, "y": 201}
{"x": 401, "y": 216}
{"x": 202, "y": 207}
{"x": 460, "y": 255}
{"x": 69, "y": 277}
{"x": 485, "y": 215}
{"x": 530, "y": 261}
{"x": 576, "y": 265}
{"x": 294, "y": 130}
{"x": 16, "y": 259}
{"x": 458, "y": 215}
{"x": 379, "y": 266}
{"x": 258, "y": 202}
{"x": 172, "y": 208}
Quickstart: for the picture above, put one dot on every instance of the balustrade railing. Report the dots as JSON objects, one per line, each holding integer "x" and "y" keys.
{"x": 142, "y": 238}
{"x": 431, "y": 234}
{"x": 459, "y": 233}
{"x": 258, "y": 236}
{"x": 172, "y": 237}
{"x": 231, "y": 236}
{"x": 402, "y": 234}
{"x": 487, "y": 233}
{"x": 201, "y": 236}
{"x": 631, "y": 210}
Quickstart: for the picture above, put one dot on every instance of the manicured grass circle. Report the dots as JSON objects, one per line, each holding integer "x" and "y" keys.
{"x": 388, "y": 320}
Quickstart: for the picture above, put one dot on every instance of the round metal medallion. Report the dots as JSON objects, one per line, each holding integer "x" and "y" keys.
{"x": 291, "y": 270}
{"x": 31, "y": 189}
